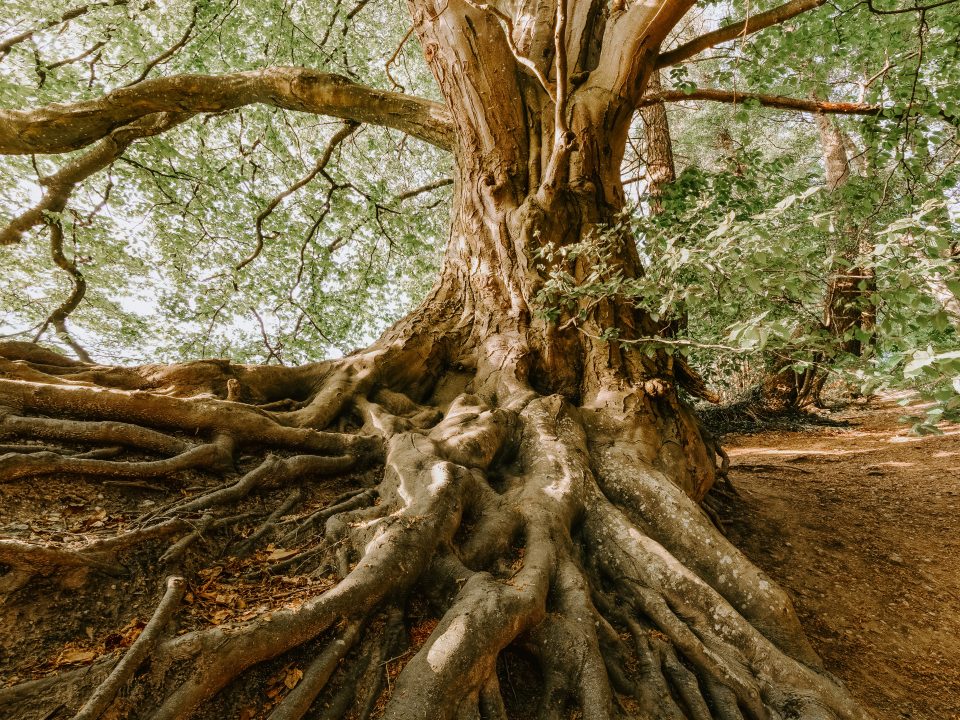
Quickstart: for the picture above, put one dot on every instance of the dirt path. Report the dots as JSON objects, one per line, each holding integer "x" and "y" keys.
{"x": 861, "y": 524}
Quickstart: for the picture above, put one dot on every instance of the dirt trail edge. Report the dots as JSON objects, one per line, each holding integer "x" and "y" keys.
{"x": 861, "y": 525}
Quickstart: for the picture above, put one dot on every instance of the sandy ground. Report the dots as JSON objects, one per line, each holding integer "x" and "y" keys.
{"x": 861, "y": 525}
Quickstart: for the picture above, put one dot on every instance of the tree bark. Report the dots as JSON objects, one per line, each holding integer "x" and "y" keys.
{"x": 661, "y": 170}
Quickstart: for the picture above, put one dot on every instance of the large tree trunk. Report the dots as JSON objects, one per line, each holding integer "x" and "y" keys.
{"x": 537, "y": 509}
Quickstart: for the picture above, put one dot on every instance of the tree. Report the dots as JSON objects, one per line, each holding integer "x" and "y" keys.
{"x": 538, "y": 503}
{"x": 846, "y": 306}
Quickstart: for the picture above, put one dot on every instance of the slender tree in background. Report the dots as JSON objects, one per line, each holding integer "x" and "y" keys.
{"x": 846, "y": 304}
{"x": 540, "y": 473}
{"x": 661, "y": 169}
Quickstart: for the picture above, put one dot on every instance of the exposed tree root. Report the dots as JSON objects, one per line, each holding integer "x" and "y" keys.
{"x": 315, "y": 678}
{"x": 520, "y": 524}
{"x": 215, "y": 456}
{"x": 141, "y": 648}
{"x": 111, "y": 433}
{"x": 31, "y": 557}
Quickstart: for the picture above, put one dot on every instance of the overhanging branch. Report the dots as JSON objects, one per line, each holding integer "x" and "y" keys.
{"x": 774, "y": 101}
{"x": 63, "y": 127}
{"x": 741, "y": 28}
{"x": 60, "y": 186}
{"x": 429, "y": 187}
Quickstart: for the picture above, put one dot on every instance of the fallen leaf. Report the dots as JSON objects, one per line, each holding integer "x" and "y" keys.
{"x": 281, "y": 554}
{"x": 293, "y": 677}
{"x": 220, "y": 615}
{"x": 75, "y": 655}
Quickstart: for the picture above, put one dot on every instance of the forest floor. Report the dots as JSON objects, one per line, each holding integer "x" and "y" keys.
{"x": 860, "y": 522}
{"x": 861, "y": 525}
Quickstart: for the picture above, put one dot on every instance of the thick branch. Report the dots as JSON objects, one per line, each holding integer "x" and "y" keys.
{"x": 64, "y": 127}
{"x": 774, "y": 101}
{"x": 506, "y": 22}
{"x": 630, "y": 44}
{"x": 741, "y": 28}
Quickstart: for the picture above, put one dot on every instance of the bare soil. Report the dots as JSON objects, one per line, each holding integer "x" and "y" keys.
{"x": 861, "y": 525}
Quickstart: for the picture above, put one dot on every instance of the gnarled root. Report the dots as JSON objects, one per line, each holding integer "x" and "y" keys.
{"x": 521, "y": 527}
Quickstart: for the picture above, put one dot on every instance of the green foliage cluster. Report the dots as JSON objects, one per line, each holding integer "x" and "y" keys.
{"x": 748, "y": 236}
{"x": 159, "y": 235}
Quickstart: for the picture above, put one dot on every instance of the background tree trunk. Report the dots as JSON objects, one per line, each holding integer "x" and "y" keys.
{"x": 661, "y": 170}
{"x": 846, "y": 305}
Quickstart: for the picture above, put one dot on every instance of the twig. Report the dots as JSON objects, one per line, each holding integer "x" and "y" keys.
{"x": 135, "y": 484}
{"x": 915, "y": 8}
{"x": 666, "y": 341}
{"x": 349, "y": 127}
{"x": 274, "y": 352}
{"x": 393, "y": 59}
{"x": 8, "y": 43}
{"x": 169, "y": 52}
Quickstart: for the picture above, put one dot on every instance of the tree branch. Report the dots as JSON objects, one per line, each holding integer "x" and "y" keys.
{"x": 342, "y": 134}
{"x": 630, "y": 45}
{"x": 170, "y": 51}
{"x": 506, "y": 22}
{"x": 915, "y": 8}
{"x": 7, "y": 44}
{"x": 58, "y": 318}
{"x": 741, "y": 28}
{"x": 64, "y": 127}
{"x": 774, "y": 101}
{"x": 435, "y": 185}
